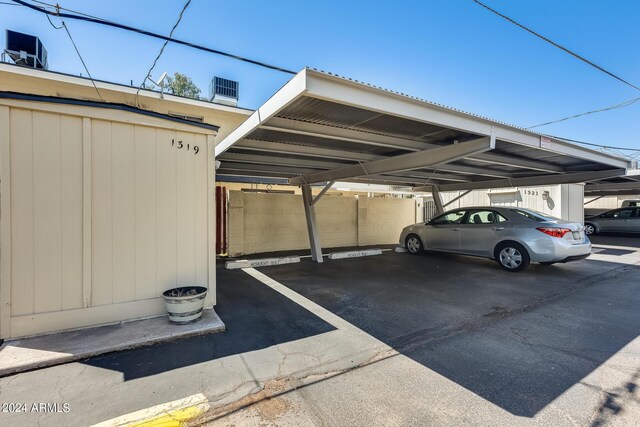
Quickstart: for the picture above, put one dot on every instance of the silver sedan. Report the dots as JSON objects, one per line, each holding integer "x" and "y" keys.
{"x": 513, "y": 237}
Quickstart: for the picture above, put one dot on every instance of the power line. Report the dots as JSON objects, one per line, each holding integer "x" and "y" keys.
{"x": 151, "y": 34}
{"x": 64, "y": 25}
{"x": 58, "y": 8}
{"x": 77, "y": 51}
{"x": 611, "y": 107}
{"x": 186, "y": 5}
{"x": 52, "y": 24}
{"x": 591, "y": 143}
{"x": 581, "y": 58}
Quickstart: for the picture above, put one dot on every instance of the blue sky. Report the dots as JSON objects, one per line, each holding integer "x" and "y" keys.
{"x": 447, "y": 51}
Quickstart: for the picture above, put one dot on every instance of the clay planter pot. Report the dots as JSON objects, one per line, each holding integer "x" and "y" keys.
{"x": 184, "y": 304}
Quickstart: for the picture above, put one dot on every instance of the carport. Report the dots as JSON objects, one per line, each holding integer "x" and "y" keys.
{"x": 620, "y": 186}
{"x": 320, "y": 128}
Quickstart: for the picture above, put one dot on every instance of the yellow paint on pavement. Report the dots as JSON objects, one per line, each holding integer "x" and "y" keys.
{"x": 170, "y": 419}
{"x": 170, "y": 414}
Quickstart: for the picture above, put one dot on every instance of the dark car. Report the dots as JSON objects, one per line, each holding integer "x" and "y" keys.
{"x": 623, "y": 220}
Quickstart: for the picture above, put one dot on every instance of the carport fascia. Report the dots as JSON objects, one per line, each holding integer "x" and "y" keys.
{"x": 629, "y": 187}
{"x": 322, "y": 86}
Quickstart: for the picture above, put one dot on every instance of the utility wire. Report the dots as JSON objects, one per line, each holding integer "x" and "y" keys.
{"x": 150, "y": 34}
{"x": 52, "y": 24}
{"x": 77, "y": 51}
{"x": 64, "y": 25}
{"x": 611, "y": 107}
{"x": 581, "y": 58}
{"x": 57, "y": 7}
{"x": 148, "y": 75}
{"x": 591, "y": 143}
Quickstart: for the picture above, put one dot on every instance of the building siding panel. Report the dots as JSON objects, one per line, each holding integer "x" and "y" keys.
{"x": 47, "y": 215}
{"x": 146, "y": 174}
{"x": 102, "y": 218}
{"x": 22, "y": 240}
{"x": 104, "y": 212}
{"x": 72, "y": 201}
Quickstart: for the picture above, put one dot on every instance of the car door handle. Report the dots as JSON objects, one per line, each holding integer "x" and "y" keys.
{"x": 455, "y": 229}
{"x": 497, "y": 228}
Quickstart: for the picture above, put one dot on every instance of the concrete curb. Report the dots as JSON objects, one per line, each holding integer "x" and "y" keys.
{"x": 355, "y": 254}
{"x": 174, "y": 413}
{"x": 262, "y": 262}
{"x": 64, "y": 347}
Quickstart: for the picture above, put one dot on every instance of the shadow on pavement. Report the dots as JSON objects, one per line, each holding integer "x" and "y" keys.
{"x": 255, "y": 316}
{"x": 517, "y": 340}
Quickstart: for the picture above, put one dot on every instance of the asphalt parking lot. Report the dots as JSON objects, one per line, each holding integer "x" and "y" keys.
{"x": 517, "y": 340}
{"x": 393, "y": 339}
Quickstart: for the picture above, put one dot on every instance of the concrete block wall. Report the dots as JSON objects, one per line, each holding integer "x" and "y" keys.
{"x": 337, "y": 218}
{"x": 264, "y": 222}
{"x": 380, "y": 219}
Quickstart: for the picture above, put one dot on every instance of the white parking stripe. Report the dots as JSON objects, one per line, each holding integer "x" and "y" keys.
{"x": 324, "y": 314}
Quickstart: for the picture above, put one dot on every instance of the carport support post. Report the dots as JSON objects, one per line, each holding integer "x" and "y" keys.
{"x": 312, "y": 228}
{"x": 437, "y": 199}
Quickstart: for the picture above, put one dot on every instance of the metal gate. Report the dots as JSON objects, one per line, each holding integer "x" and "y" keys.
{"x": 429, "y": 210}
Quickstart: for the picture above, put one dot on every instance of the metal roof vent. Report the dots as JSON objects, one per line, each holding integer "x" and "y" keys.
{"x": 25, "y": 50}
{"x": 224, "y": 91}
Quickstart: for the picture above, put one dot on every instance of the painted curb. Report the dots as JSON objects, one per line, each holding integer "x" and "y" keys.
{"x": 170, "y": 414}
{"x": 355, "y": 254}
{"x": 263, "y": 262}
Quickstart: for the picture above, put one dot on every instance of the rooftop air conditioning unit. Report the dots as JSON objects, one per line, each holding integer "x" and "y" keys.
{"x": 223, "y": 91}
{"x": 26, "y": 50}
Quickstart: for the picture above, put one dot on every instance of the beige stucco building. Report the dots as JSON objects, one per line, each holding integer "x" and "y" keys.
{"x": 101, "y": 210}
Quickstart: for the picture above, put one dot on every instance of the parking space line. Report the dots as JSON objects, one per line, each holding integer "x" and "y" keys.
{"x": 329, "y": 317}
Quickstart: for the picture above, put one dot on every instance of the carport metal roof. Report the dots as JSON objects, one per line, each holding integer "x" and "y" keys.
{"x": 320, "y": 127}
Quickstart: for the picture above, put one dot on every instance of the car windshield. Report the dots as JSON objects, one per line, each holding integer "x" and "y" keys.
{"x": 535, "y": 215}
{"x": 449, "y": 218}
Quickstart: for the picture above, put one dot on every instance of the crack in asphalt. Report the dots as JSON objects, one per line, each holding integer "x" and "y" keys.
{"x": 499, "y": 314}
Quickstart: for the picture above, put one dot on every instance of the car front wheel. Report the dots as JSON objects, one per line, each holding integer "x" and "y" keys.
{"x": 413, "y": 244}
{"x": 512, "y": 256}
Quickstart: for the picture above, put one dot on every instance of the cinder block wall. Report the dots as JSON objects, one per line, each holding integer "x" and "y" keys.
{"x": 380, "y": 220}
{"x": 263, "y": 222}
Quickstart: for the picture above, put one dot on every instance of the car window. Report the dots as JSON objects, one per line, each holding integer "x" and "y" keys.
{"x": 619, "y": 213}
{"x": 485, "y": 217}
{"x": 454, "y": 217}
{"x": 529, "y": 214}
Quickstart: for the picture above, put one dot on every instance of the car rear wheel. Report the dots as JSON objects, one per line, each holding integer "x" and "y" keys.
{"x": 512, "y": 256}
{"x": 589, "y": 229}
{"x": 413, "y": 244}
